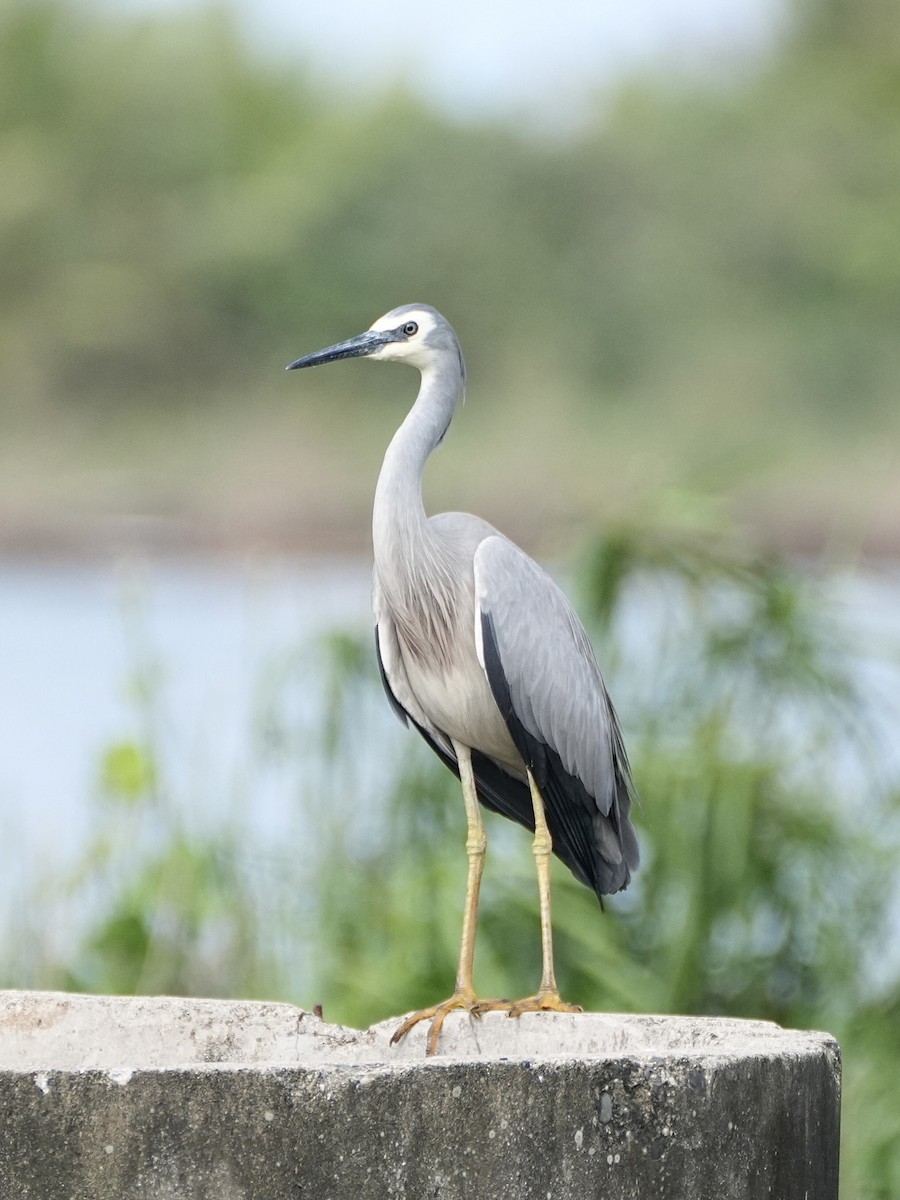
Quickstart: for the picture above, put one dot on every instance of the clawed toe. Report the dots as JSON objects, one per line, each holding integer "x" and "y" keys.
{"x": 544, "y": 1001}
{"x": 436, "y": 1014}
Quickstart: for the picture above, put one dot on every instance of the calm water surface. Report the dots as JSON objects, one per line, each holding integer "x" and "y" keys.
{"x": 73, "y": 639}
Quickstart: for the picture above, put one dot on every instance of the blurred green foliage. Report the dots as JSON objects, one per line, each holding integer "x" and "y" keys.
{"x": 180, "y": 217}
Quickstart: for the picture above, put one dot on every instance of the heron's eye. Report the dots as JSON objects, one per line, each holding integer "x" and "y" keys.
{"x": 410, "y": 328}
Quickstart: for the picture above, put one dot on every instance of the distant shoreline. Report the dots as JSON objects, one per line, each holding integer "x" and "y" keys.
{"x": 121, "y": 536}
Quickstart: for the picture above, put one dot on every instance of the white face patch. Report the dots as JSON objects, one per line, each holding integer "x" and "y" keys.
{"x": 402, "y": 316}
{"x": 408, "y": 348}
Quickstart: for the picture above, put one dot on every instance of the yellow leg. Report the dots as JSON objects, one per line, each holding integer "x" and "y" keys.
{"x": 464, "y": 992}
{"x": 476, "y": 847}
{"x": 547, "y": 997}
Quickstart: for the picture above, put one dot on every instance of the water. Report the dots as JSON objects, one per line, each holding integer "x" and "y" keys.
{"x": 73, "y": 637}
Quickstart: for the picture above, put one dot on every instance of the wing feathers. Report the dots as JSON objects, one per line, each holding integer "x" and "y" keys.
{"x": 545, "y": 680}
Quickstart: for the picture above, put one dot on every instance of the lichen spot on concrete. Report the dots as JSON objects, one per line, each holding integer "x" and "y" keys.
{"x": 268, "y": 1115}
{"x": 579, "y": 1138}
{"x": 606, "y": 1108}
{"x": 457, "y": 1092}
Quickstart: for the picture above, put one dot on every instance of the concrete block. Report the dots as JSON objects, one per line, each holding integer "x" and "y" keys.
{"x": 140, "y": 1098}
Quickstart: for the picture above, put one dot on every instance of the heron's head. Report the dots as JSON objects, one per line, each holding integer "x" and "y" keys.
{"x": 413, "y": 333}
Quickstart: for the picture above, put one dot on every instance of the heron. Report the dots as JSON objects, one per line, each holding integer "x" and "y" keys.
{"x": 480, "y": 650}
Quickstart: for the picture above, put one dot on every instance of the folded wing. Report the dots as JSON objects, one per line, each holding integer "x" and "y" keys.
{"x": 544, "y": 677}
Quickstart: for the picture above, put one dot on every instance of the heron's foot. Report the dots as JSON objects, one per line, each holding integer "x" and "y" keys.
{"x": 546, "y": 1000}
{"x": 464, "y": 999}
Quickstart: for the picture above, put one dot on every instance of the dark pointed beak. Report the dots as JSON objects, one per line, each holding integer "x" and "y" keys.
{"x": 355, "y": 347}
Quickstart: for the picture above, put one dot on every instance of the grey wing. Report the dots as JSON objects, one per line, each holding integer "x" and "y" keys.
{"x": 544, "y": 676}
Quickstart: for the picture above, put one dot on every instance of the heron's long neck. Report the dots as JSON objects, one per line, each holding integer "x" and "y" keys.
{"x": 398, "y": 521}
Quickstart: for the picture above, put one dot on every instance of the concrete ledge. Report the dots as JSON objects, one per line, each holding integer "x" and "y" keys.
{"x": 109, "y": 1098}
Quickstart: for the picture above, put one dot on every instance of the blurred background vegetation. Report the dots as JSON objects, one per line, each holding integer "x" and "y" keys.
{"x": 703, "y": 280}
{"x": 680, "y": 320}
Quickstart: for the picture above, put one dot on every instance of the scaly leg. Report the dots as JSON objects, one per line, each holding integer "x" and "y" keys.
{"x": 464, "y": 992}
{"x": 547, "y": 997}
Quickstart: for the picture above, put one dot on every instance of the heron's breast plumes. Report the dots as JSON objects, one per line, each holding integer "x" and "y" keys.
{"x": 427, "y": 616}
{"x": 437, "y": 642}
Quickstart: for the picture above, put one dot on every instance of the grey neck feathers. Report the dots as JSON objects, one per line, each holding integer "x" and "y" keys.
{"x": 414, "y": 571}
{"x": 398, "y": 521}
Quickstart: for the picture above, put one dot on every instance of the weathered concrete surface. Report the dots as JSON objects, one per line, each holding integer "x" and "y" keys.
{"x": 107, "y": 1098}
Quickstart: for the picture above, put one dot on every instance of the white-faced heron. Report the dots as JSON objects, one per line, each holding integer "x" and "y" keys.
{"x": 481, "y": 650}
